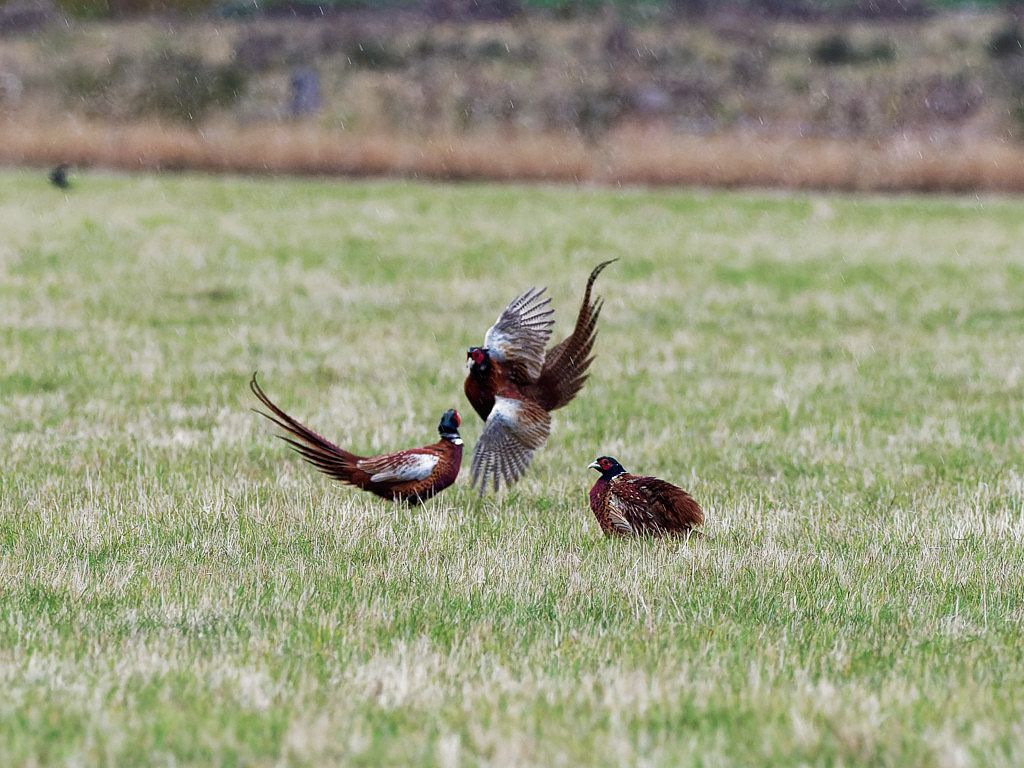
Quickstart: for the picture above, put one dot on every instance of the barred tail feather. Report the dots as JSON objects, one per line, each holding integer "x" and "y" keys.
{"x": 567, "y": 364}
{"x": 314, "y": 448}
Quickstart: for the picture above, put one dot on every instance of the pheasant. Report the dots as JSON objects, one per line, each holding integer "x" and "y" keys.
{"x": 513, "y": 384}
{"x": 412, "y": 476}
{"x": 626, "y": 504}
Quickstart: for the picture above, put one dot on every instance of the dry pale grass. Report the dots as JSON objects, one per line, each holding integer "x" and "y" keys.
{"x": 295, "y": 149}
{"x": 837, "y": 379}
{"x": 628, "y": 156}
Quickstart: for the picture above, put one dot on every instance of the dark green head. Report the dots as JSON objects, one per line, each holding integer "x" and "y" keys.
{"x": 449, "y": 426}
{"x": 607, "y": 466}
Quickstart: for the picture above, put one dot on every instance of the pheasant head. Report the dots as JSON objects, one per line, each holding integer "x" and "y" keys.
{"x": 607, "y": 466}
{"x": 479, "y": 359}
{"x": 448, "y": 428}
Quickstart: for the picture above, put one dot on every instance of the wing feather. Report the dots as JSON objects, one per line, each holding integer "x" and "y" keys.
{"x": 514, "y": 430}
{"x": 403, "y": 466}
{"x": 638, "y": 504}
{"x": 625, "y": 507}
{"x": 521, "y": 332}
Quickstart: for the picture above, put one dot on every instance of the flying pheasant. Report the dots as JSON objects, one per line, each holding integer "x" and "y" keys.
{"x": 412, "y": 476}
{"x": 626, "y": 504}
{"x": 513, "y": 384}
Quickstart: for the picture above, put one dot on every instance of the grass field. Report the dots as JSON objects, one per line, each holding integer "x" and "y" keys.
{"x": 839, "y": 380}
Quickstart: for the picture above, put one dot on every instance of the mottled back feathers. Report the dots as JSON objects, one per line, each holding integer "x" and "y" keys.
{"x": 638, "y": 505}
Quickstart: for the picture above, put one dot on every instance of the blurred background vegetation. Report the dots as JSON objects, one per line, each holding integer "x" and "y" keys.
{"x": 805, "y": 8}
{"x": 950, "y": 74}
{"x": 850, "y": 68}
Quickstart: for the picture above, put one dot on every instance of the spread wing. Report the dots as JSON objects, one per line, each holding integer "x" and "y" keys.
{"x": 649, "y": 505}
{"x": 514, "y": 430}
{"x": 404, "y": 466}
{"x": 566, "y": 364}
{"x": 521, "y": 332}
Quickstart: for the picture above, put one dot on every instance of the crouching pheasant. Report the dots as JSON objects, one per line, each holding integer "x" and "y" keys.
{"x": 412, "y": 476}
{"x": 628, "y": 505}
{"x": 513, "y": 384}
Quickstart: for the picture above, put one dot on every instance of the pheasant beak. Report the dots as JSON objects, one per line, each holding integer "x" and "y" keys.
{"x": 594, "y": 465}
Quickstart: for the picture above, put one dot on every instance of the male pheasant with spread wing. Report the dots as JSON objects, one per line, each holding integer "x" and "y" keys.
{"x": 513, "y": 384}
{"x": 626, "y": 504}
{"x": 412, "y": 476}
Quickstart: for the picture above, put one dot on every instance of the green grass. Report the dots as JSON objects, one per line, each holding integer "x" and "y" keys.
{"x": 838, "y": 380}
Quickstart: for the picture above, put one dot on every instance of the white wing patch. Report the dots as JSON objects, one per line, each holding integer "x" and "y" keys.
{"x": 506, "y": 408}
{"x": 414, "y": 466}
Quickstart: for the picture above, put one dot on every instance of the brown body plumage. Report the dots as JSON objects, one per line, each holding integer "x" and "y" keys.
{"x": 629, "y": 505}
{"x": 412, "y": 475}
{"x": 514, "y": 384}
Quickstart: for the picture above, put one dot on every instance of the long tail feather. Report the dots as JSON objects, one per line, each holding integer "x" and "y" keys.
{"x": 314, "y": 448}
{"x": 566, "y": 365}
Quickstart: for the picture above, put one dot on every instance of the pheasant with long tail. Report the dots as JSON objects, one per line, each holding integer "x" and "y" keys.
{"x": 514, "y": 384}
{"x": 412, "y": 476}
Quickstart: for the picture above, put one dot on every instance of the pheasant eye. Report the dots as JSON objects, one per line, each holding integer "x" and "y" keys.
{"x": 605, "y": 463}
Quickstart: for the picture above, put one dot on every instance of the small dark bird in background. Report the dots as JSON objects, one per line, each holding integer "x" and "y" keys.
{"x": 513, "y": 384}
{"x": 59, "y": 176}
{"x": 412, "y": 476}
{"x": 630, "y": 505}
